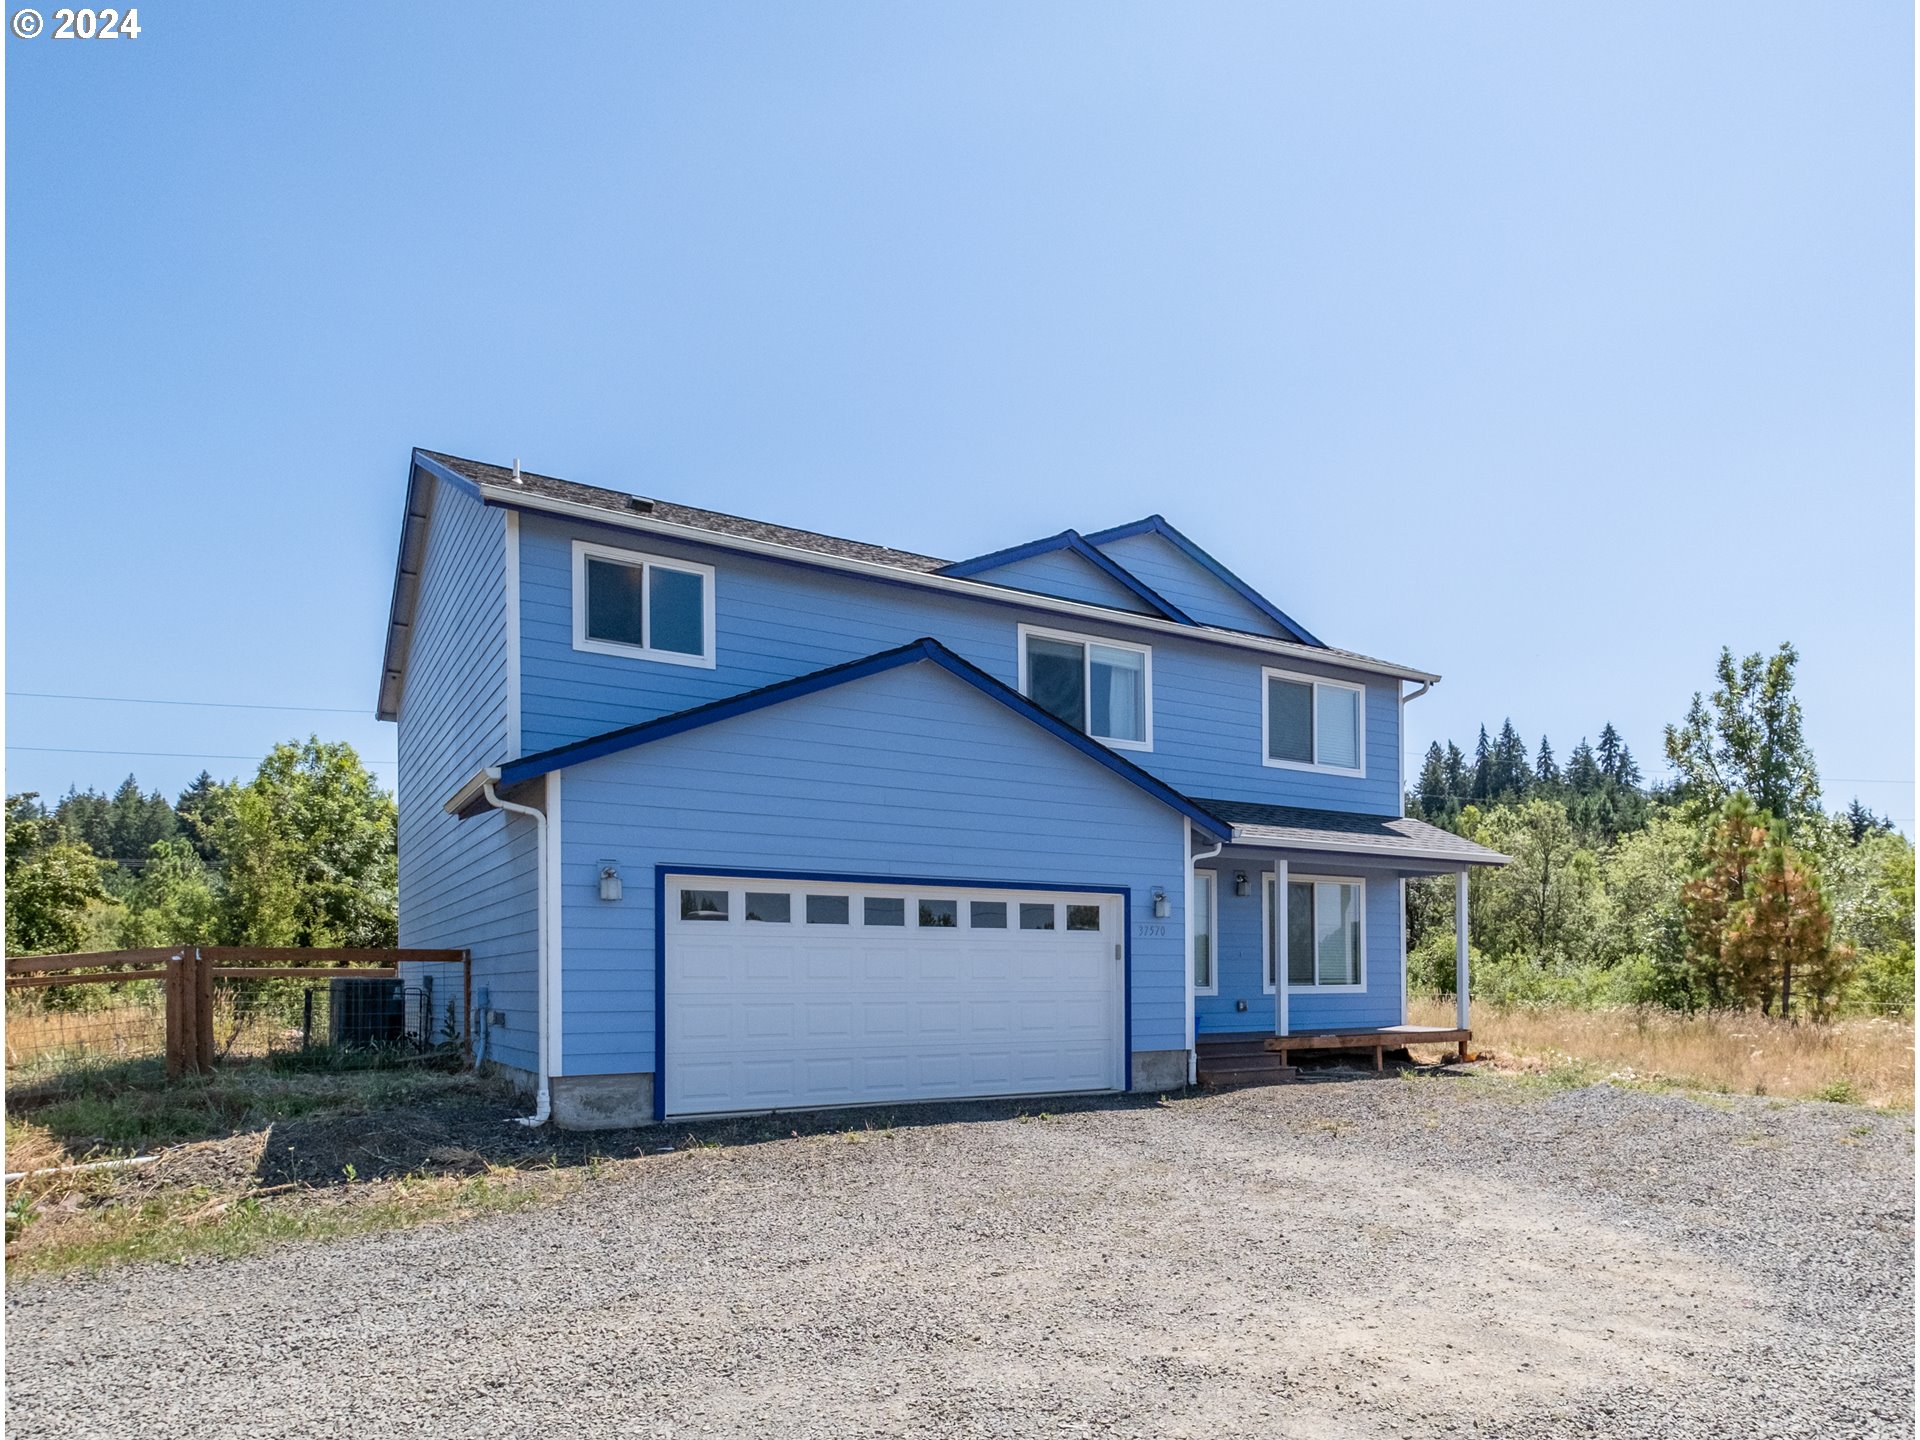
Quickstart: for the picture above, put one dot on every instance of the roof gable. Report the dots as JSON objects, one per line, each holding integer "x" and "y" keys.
{"x": 924, "y": 651}
{"x": 1192, "y": 578}
{"x": 1086, "y": 570}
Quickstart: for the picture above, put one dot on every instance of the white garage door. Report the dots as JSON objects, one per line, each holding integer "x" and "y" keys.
{"x": 788, "y": 994}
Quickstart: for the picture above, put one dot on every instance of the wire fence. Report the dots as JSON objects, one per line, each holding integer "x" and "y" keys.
{"x": 251, "y": 1020}
{"x": 201, "y": 1009}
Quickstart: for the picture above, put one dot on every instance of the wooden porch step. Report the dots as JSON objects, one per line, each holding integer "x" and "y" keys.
{"x": 1222, "y": 1049}
{"x": 1238, "y": 1061}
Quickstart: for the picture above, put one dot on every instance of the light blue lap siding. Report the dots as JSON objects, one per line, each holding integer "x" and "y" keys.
{"x": 777, "y": 621}
{"x": 911, "y": 773}
{"x": 465, "y": 884}
{"x": 1165, "y": 569}
{"x": 1243, "y": 961}
{"x": 1069, "y": 576}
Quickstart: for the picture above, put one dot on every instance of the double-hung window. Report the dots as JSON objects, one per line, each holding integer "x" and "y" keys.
{"x": 1206, "y": 965}
{"x": 1313, "y": 724}
{"x": 1103, "y": 688}
{"x": 1326, "y": 933}
{"x": 648, "y": 607}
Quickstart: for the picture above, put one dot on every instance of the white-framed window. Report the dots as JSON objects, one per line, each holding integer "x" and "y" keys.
{"x": 1206, "y": 927}
{"x": 1307, "y": 723}
{"x": 1103, "y": 688}
{"x": 645, "y": 607}
{"x": 1326, "y": 933}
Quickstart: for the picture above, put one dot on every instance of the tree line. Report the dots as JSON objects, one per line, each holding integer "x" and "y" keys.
{"x": 1726, "y": 884}
{"x": 304, "y": 853}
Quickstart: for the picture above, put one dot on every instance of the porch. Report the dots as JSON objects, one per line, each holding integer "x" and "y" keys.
{"x": 1300, "y": 929}
{"x": 1259, "y": 1057}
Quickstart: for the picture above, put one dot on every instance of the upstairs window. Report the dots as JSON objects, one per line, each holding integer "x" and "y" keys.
{"x": 1314, "y": 724}
{"x": 1103, "y": 688}
{"x": 644, "y": 606}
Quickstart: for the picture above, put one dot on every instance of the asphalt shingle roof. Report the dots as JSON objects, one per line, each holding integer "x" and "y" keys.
{"x": 719, "y": 523}
{"x": 665, "y": 510}
{"x": 1291, "y": 826}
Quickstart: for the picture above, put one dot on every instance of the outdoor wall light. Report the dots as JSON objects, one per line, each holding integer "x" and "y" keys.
{"x": 1240, "y": 884}
{"x": 1161, "y": 909}
{"x": 609, "y": 880}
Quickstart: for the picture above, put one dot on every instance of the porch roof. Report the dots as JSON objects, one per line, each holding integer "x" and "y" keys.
{"x": 1386, "y": 837}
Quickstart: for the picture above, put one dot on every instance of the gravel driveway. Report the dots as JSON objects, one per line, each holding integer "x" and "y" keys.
{"x": 1352, "y": 1257}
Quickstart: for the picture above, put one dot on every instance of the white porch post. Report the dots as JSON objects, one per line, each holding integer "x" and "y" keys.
{"x": 1279, "y": 918}
{"x": 1460, "y": 949}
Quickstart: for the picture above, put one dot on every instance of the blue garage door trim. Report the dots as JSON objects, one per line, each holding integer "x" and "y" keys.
{"x": 660, "y": 873}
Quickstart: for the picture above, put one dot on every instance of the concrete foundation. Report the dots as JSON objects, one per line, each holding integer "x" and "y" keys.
{"x": 602, "y": 1102}
{"x": 523, "y": 1081}
{"x": 1159, "y": 1069}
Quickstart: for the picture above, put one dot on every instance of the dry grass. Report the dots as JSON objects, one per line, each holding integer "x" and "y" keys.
{"x": 40, "y": 1038}
{"x": 1866, "y": 1061}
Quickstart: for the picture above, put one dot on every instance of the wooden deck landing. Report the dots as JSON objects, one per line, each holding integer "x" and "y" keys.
{"x": 1259, "y": 1057}
{"x": 1381, "y": 1040}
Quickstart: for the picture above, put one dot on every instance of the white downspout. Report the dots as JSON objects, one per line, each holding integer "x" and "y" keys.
{"x": 543, "y": 1095}
{"x": 1193, "y": 1031}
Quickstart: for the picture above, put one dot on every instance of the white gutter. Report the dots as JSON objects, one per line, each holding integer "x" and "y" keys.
{"x": 543, "y": 1095}
{"x": 1400, "y": 752}
{"x": 517, "y": 497}
{"x": 1482, "y": 855}
{"x": 1193, "y": 1034}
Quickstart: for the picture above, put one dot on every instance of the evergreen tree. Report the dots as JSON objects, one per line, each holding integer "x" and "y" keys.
{"x": 1583, "y": 775}
{"x": 1616, "y": 760}
{"x": 1459, "y": 783}
{"x": 1482, "y": 790}
{"x": 1755, "y": 918}
{"x": 1512, "y": 770}
{"x": 86, "y": 818}
{"x": 136, "y": 822}
{"x": 1431, "y": 790}
{"x": 199, "y": 808}
{"x": 1862, "y": 822}
{"x": 1546, "y": 772}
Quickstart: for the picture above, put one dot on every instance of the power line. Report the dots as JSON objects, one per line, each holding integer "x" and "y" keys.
{"x": 163, "y": 754}
{"x": 199, "y": 704}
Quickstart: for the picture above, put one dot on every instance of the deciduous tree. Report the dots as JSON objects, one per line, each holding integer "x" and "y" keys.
{"x": 1746, "y": 738}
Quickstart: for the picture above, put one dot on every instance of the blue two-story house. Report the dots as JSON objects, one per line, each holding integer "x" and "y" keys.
{"x": 733, "y": 817}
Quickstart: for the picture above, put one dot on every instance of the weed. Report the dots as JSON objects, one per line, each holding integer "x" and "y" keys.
{"x": 1731, "y": 1052}
{"x": 1840, "y": 1092}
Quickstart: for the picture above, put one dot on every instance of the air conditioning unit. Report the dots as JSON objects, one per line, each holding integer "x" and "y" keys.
{"x": 366, "y": 1012}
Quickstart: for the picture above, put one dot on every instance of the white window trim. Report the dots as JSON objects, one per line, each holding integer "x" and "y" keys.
{"x": 1266, "y": 929}
{"x": 1022, "y": 632}
{"x": 584, "y": 550}
{"x": 1213, "y": 927}
{"x": 1318, "y": 683}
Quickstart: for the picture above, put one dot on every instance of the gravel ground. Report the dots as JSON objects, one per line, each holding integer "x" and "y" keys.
{"x": 1355, "y": 1256}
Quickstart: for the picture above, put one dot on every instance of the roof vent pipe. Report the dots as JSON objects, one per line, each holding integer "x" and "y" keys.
{"x": 516, "y": 470}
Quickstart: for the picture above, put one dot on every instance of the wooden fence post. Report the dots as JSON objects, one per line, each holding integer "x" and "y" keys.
{"x": 202, "y": 1013}
{"x": 173, "y": 989}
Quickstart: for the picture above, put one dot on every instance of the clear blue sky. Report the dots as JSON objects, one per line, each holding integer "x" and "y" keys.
{"x": 1549, "y": 347}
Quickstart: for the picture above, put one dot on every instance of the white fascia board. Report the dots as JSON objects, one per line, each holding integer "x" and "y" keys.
{"x": 974, "y": 589}
{"x": 469, "y": 792}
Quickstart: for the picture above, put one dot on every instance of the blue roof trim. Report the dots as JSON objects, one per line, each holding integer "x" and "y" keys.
{"x": 1075, "y": 542}
{"x": 918, "y": 652}
{"x": 1157, "y": 525}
